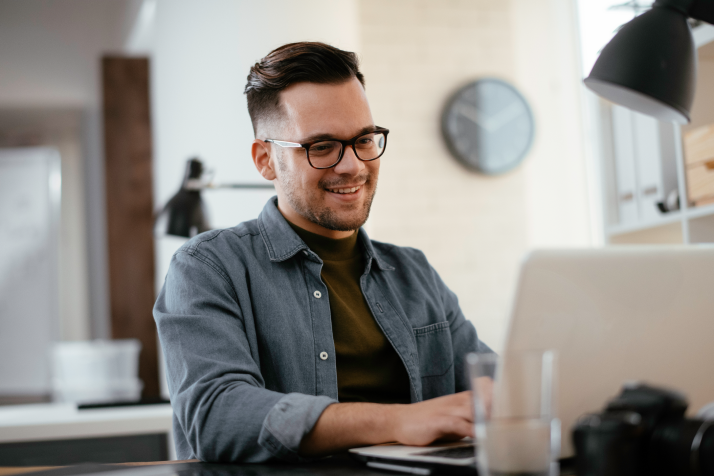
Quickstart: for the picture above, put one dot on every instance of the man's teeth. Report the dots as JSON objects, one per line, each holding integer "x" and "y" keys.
{"x": 343, "y": 190}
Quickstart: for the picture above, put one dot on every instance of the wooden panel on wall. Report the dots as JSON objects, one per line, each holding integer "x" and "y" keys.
{"x": 127, "y": 149}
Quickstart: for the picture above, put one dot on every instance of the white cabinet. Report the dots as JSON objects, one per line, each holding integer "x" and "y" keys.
{"x": 649, "y": 164}
{"x": 65, "y": 424}
{"x": 644, "y": 159}
{"x": 623, "y": 142}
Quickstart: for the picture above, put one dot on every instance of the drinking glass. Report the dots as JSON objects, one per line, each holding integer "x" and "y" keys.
{"x": 517, "y": 431}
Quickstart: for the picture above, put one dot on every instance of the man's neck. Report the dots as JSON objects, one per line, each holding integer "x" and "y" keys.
{"x": 295, "y": 218}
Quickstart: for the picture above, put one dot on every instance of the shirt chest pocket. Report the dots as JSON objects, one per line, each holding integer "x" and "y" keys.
{"x": 436, "y": 360}
{"x": 436, "y": 354}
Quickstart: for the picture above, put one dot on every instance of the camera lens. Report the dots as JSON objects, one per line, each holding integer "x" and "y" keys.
{"x": 683, "y": 447}
{"x": 706, "y": 449}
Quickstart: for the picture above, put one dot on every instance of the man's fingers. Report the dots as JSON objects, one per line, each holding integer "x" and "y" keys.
{"x": 461, "y": 406}
{"x": 453, "y": 425}
{"x": 443, "y": 417}
{"x": 463, "y": 411}
{"x": 458, "y": 427}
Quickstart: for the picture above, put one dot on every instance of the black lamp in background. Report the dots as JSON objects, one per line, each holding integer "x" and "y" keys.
{"x": 650, "y": 65}
{"x": 185, "y": 213}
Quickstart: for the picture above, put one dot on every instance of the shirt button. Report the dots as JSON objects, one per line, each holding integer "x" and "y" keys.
{"x": 323, "y": 355}
{"x": 318, "y": 295}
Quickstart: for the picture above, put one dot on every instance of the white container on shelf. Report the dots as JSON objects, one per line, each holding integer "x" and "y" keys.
{"x": 97, "y": 371}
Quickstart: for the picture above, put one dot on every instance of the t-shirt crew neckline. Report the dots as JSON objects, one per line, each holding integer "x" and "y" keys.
{"x": 329, "y": 249}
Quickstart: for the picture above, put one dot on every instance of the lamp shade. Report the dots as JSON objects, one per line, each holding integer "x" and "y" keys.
{"x": 650, "y": 66}
{"x": 185, "y": 214}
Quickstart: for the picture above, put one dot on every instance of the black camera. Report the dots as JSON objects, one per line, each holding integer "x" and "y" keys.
{"x": 641, "y": 432}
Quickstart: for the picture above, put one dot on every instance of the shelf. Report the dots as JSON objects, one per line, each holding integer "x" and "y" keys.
{"x": 665, "y": 219}
{"x": 699, "y": 212}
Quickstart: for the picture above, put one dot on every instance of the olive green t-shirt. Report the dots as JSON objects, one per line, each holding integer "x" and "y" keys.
{"x": 368, "y": 367}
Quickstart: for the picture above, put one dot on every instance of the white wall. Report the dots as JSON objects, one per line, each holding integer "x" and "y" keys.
{"x": 49, "y": 59}
{"x": 201, "y": 56}
{"x": 546, "y": 55}
{"x": 50, "y": 50}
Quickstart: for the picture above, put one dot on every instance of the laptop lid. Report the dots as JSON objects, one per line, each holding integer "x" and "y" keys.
{"x": 618, "y": 314}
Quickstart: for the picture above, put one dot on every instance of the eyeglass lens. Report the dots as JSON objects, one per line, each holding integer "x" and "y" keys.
{"x": 327, "y": 153}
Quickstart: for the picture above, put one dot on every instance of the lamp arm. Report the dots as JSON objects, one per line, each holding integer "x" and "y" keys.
{"x": 242, "y": 185}
{"x": 197, "y": 184}
{"x": 698, "y": 9}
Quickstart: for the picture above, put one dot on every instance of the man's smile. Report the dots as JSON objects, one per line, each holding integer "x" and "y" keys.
{"x": 344, "y": 190}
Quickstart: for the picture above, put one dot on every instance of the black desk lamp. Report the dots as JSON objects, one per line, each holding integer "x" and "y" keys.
{"x": 650, "y": 65}
{"x": 185, "y": 213}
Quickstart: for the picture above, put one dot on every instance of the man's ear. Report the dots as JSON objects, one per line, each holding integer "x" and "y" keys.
{"x": 262, "y": 160}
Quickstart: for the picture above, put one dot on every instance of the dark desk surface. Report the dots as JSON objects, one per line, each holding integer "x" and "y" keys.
{"x": 334, "y": 466}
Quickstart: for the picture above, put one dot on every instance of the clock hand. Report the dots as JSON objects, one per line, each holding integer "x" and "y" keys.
{"x": 473, "y": 114}
{"x": 506, "y": 115}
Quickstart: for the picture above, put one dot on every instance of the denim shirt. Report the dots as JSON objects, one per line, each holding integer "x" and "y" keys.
{"x": 244, "y": 323}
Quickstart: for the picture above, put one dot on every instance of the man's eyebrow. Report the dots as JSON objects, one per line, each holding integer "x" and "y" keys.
{"x": 324, "y": 136}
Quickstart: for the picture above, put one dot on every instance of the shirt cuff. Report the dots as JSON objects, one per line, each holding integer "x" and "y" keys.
{"x": 288, "y": 422}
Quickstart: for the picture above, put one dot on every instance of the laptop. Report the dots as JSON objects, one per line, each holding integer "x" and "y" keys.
{"x": 455, "y": 458}
{"x": 615, "y": 315}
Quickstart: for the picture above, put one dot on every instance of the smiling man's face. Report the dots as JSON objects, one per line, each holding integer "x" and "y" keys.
{"x": 332, "y": 202}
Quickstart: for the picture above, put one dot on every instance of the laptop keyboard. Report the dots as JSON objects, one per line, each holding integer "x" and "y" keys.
{"x": 458, "y": 452}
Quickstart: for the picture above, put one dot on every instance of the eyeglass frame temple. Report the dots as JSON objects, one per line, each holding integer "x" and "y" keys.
{"x": 350, "y": 142}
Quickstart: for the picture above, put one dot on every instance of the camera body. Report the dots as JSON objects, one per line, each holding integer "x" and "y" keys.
{"x": 641, "y": 432}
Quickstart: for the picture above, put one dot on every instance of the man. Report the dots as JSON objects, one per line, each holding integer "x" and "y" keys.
{"x": 294, "y": 335}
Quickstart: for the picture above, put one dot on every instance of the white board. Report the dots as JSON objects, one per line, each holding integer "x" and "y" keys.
{"x": 30, "y": 185}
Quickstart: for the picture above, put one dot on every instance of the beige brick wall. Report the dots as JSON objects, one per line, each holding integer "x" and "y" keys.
{"x": 476, "y": 229}
{"x": 415, "y": 54}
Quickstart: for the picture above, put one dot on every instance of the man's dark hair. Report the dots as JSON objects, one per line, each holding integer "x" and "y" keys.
{"x": 310, "y": 62}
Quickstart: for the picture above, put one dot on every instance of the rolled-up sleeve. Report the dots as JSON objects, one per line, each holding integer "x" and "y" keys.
{"x": 217, "y": 391}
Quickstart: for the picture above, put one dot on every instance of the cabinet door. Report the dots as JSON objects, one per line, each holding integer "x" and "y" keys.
{"x": 625, "y": 169}
{"x": 648, "y": 162}
{"x": 29, "y": 255}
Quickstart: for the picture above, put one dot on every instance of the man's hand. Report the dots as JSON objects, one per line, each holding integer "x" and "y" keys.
{"x": 348, "y": 425}
{"x": 443, "y": 418}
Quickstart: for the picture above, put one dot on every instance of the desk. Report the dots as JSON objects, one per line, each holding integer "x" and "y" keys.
{"x": 18, "y": 470}
{"x": 335, "y": 466}
{"x": 36, "y": 428}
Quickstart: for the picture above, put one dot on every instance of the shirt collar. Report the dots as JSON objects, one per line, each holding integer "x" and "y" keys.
{"x": 372, "y": 253}
{"x": 283, "y": 243}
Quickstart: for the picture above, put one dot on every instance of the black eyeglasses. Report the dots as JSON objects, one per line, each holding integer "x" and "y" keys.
{"x": 324, "y": 154}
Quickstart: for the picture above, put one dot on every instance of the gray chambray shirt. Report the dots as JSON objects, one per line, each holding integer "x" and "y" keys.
{"x": 244, "y": 323}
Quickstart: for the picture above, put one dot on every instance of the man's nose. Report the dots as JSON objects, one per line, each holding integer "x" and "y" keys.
{"x": 350, "y": 164}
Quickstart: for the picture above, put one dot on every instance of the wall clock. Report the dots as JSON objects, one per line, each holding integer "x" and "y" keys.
{"x": 488, "y": 126}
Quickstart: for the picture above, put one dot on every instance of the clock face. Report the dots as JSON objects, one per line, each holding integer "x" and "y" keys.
{"x": 488, "y": 126}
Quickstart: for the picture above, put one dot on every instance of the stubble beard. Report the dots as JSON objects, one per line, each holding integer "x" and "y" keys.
{"x": 311, "y": 207}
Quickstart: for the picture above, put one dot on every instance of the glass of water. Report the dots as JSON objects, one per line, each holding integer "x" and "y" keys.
{"x": 517, "y": 430}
